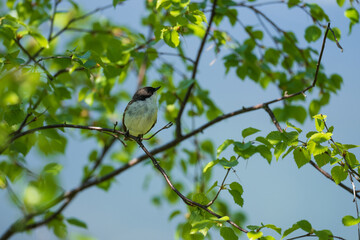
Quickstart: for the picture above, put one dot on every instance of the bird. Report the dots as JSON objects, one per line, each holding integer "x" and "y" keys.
{"x": 140, "y": 114}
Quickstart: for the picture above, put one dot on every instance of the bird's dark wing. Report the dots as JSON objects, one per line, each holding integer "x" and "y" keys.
{"x": 151, "y": 127}
{"x": 123, "y": 119}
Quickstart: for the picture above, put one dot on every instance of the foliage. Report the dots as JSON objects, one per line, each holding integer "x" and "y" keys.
{"x": 50, "y": 82}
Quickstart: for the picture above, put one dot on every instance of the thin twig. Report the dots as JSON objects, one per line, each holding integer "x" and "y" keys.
{"x": 273, "y": 118}
{"x": 328, "y": 176}
{"x": 193, "y": 75}
{"x": 337, "y": 42}
{"x": 99, "y": 159}
{"x": 185, "y": 199}
{"x": 313, "y": 235}
{"x": 221, "y": 188}
{"x": 343, "y": 155}
{"x": 52, "y": 18}
{"x": 164, "y": 127}
{"x": 33, "y": 59}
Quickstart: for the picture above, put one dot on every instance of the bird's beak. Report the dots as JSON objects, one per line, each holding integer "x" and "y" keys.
{"x": 157, "y": 88}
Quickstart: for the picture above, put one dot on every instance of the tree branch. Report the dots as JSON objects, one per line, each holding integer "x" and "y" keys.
{"x": 221, "y": 188}
{"x": 185, "y": 199}
{"x": 193, "y": 75}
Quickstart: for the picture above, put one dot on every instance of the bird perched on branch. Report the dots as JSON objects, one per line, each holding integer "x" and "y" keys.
{"x": 140, "y": 114}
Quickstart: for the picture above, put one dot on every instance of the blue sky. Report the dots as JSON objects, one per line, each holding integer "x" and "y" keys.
{"x": 277, "y": 194}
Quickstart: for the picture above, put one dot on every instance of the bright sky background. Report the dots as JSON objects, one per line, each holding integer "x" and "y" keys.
{"x": 277, "y": 194}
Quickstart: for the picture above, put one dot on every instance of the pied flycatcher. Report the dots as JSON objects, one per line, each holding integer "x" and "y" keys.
{"x": 140, "y": 114}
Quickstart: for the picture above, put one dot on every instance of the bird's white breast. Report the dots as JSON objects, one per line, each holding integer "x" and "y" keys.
{"x": 141, "y": 115}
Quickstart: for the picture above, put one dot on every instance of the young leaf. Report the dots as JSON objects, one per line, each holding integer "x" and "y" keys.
{"x": 52, "y": 168}
{"x": 290, "y": 230}
{"x": 274, "y": 137}
{"x": 228, "y": 234}
{"x": 237, "y": 191}
{"x": 312, "y": 33}
{"x": 163, "y": 3}
{"x": 352, "y": 14}
{"x": 223, "y": 146}
{"x": 322, "y": 159}
{"x": 173, "y": 214}
{"x": 340, "y": 2}
{"x": 228, "y": 164}
{"x": 237, "y": 197}
{"x": 254, "y": 235}
{"x": 305, "y": 225}
{"x": 264, "y": 152}
{"x": 3, "y": 182}
{"x": 301, "y": 156}
{"x": 321, "y": 137}
{"x": 249, "y": 131}
{"x": 212, "y": 187}
{"x": 293, "y": 127}
{"x": 350, "y": 220}
{"x": 319, "y": 124}
{"x": 339, "y": 174}
{"x": 279, "y": 149}
{"x": 210, "y": 165}
{"x": 76, "y": 222}
{"x": 273, "y": 227}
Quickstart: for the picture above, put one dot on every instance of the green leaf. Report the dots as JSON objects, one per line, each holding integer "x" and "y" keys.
{"x": 352, "y": 14}
{"x": 264, "y": 141}
{"x": 3, "y": 182}
{"x": 105, "y": 169}
{"x": 293, "y": 127}
{"x": 322, "y": 159}
{"x": 323, "y": 234}
{"x": 279, "y": 149}
{"x": 163, "y": 3}
{"x": 229, "y": 164}
{"x": 52, "y": 168}
{"x": 272, "y": 55}
{"x": 264, "y": 152}
{"x": 319, "y": 124}
{"x": 249, "y": 131}
{"x": 350, "y": 220}
{"x": 228, "y": 234}
{"x": 305, "y": 225}
{"x": 315, "y": 148}
{"x": 340, "y": 2}
{"x": 210, "y": 165}
{"x": 292, "y": 3}
{"x": 314, "y": 107}
{"x": 116, "y": 2}
{"x": 321, "y": 137}
{"x": 40, "y": 39}
{"x": 236, "y": 186}
{"x": 223, "y": 146}
{"x": 171, "y": 38}
{"x": 207, "y": 146}
{"x": 76, "y": 222}
{"x": 337, "y": 33}
{"x": 273, "y": 227}
{"x": 301, "y": 156}
{"x": 274, "y": 137}
{"x": 212, "y": 187}
{"x": 253, "y": 227}
{"x": 14, "y": 115}
{"x": 312, "y": 33}
{"x": 254, "y": 235}
{"x": 290, "y": 230}
{"x": 236, "y": 192}
{"x": 320, "y": 116}
{"x": 339, "y": 174}
{"x": 267, "y": 238}
{"x": 173, "y": 214}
